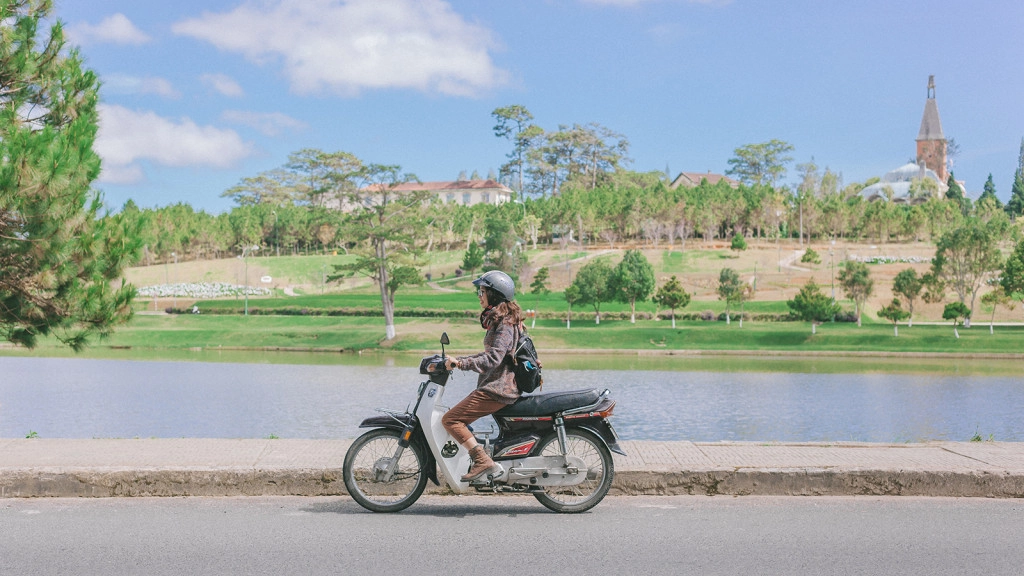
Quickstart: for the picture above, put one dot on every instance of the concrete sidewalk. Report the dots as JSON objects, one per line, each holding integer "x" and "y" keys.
{"x": 214, "y": 467}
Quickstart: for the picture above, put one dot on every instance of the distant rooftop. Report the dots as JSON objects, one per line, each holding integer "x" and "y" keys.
{"x": 692, "y": 179}
{"x": 454, "y": 185}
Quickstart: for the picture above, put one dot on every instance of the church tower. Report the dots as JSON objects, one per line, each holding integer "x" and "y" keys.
{"x": 931, "y": 143}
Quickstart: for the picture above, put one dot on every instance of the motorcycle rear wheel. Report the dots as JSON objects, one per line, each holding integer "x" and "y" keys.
{"x": 600, "y": 470}
{"x": 373, "y": 450}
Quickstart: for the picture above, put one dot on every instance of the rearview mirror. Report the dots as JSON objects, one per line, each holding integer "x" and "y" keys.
{"x": 444, "y": 339}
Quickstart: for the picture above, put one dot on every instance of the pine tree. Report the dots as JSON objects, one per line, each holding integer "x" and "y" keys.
{"x": 58, "y": 257}
{"x": 672, "y": 295}
{"x": 730, "y": 289}
{"x": 812, "y": 306}
{"x": 955, "y": 192}
{"x": 1015, "y": 207}
{"x": 632, "y": 280}
{"x": 990, "y": 193}
{"x": 473, "y": 258}
{"x": 894, "y": 313}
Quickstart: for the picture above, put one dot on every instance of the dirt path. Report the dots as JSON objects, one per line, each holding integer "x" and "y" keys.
{"x": 437, "y": 287}
{"x": 787, "y": 261}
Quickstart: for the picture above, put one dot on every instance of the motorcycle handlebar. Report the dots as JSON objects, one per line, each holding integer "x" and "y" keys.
{"x": 432, "y": 365}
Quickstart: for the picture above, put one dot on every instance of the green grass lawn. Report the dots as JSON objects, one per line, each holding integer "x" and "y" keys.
{"x": 793, "y": 337}
{"x": 359, "y": 333}
{"x": 465, "y": 299}
{"x": 190, "y": 331}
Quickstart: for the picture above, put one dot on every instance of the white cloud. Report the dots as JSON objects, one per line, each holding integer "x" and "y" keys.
{"x": 268, "y": 124}
{"x": 345, "y": 46}
{"x": 128, "y": 136}
{"x": 629, "y": 3}
{"x": 223, "y": 84}
{"x": 116, "y": 29}
{"x": 124, "y": 84}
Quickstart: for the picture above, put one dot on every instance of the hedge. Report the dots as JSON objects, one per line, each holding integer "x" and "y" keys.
{"x": 706, "y": 315}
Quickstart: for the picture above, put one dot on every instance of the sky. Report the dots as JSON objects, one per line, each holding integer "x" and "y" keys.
{"x": 199, "y": 94}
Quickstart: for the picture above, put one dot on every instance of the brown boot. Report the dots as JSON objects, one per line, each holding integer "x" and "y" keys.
{"x": 482, "y": 464}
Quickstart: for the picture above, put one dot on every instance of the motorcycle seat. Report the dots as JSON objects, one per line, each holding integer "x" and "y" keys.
{"x": 550, "y": 403}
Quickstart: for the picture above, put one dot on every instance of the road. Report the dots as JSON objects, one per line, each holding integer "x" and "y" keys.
{"x": 477, "y": 535}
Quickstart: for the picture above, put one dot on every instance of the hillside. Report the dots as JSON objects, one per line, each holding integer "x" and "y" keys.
{"x": 777, "y": 267}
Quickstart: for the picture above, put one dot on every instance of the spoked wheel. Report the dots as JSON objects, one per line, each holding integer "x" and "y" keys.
{"x": 600, "y": 470}
{"x": 366, "y": 465}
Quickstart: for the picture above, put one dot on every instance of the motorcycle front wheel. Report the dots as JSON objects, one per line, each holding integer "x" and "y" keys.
{"x": 364, "y": 470}
{"x": 600, "y": 470}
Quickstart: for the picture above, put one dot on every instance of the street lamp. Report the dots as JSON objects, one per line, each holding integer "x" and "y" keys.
{"x": 245, "y": 252}
{"x": 832, "y": 263}
{"x": 277, "y": 249}
{"x": 778, "y": 234}
{"x": 523, "y": 204}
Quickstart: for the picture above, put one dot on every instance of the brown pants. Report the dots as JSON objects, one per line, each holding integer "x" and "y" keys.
{"x": 474, "y": 406}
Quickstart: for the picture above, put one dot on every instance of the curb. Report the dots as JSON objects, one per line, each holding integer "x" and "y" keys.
{"x": 820, "y": 482}
{"x": 91, "y": 483}
{"x": 104, "y": 468}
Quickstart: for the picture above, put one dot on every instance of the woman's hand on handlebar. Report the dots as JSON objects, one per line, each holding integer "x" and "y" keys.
{"x": 451, "y": 363}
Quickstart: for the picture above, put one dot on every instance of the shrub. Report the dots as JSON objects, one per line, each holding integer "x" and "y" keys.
{"x": 846, "y": 316}
{"x": 811, "y": 257}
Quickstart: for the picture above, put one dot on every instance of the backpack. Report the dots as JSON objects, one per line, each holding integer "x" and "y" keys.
{"x": 526, "y": 366}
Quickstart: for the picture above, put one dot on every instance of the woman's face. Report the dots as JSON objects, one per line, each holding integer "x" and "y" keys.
{"x": 481, "y": 292}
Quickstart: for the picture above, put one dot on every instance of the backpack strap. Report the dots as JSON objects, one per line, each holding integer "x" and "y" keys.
{"x": 517, "y": 345}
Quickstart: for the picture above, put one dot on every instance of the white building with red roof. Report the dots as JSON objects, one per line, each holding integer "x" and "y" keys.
{"x": 463, "y": 192}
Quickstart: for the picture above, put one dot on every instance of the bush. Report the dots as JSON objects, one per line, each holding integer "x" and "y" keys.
{"x": 704, "y": 316}
{"x": 811, "y": 257}
{"x": 846, "y": 316}
{"x": 738, "y": 243}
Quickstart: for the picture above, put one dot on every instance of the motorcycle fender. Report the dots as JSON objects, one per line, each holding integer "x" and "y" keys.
{"x": 605, "y": 432}
{"x": 396, "y": 423}
{"x": 417, "y": 436}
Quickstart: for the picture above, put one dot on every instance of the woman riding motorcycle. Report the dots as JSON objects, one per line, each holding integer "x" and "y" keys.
{"x": 496, "y": 387}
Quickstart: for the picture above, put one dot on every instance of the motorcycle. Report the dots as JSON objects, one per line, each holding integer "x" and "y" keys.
{"x": 556, "y": 446}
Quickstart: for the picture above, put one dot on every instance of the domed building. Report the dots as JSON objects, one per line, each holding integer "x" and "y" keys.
{"x": 898, "y": 185}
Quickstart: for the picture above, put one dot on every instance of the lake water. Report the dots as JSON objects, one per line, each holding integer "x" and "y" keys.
{"x": 117, "y": 398}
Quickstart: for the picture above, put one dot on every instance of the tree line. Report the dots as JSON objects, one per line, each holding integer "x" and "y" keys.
{"x": 629, "y": 209}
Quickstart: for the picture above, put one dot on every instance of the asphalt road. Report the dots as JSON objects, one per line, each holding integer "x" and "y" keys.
{"x": 491, "y": 535}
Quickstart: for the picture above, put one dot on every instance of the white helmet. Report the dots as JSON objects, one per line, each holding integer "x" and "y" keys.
{"x": 499, "y": 282}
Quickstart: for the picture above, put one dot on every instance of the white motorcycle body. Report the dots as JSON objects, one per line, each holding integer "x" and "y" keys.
{"x": 454, "y": 460}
